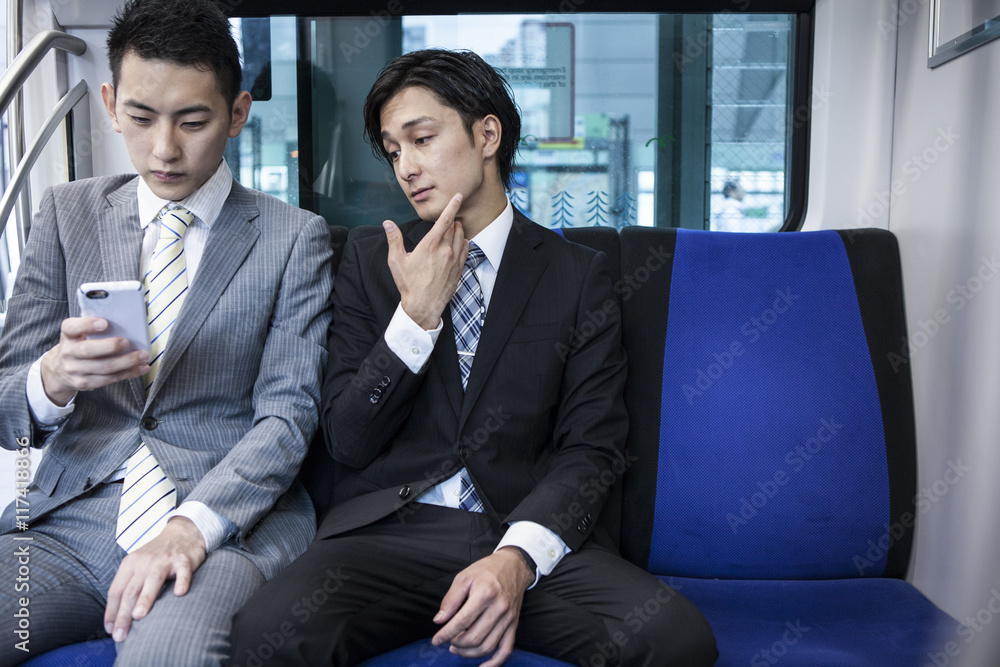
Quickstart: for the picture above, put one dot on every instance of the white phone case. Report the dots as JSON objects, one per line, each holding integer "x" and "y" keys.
{"x": 122, "y": 304}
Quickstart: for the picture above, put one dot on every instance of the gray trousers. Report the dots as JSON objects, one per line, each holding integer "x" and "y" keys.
{"x": 63, "y": 574}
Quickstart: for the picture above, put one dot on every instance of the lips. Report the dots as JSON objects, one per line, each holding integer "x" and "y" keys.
{"x": 167, "y": 176}
{"x": 420, "y": 194}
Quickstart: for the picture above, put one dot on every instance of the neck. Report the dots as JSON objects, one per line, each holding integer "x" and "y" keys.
{"x": 481, "y": 213}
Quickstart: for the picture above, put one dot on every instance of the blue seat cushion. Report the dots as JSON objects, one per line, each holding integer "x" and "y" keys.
{"x": 849, "y": 622}
{"x": 96, "y": 653}
{"x": 101, "y": 653}
{"x": 425, "y": 653}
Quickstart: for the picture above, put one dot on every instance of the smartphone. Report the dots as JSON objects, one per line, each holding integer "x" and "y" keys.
{"x": 121, "y": 303}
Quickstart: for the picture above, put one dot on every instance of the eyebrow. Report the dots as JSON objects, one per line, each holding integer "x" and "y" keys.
{"x": 410, "y": 123}
{"x": 194, "y": 108}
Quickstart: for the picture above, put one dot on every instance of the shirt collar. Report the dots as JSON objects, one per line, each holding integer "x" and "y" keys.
{"x": 206, "y": 202}
{"x": 492, "y": 239}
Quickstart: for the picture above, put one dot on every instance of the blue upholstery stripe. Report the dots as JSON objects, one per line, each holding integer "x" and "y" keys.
{"x": 425, "y": 653}
{"x": 800, "y": 489}
{"x": 559, "y": 231}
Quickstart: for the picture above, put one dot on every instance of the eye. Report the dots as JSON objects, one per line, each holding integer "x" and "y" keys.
{"x": 421, "y": 140}
{"x": 139, "y": 120}
{"x": 195, "y": 124}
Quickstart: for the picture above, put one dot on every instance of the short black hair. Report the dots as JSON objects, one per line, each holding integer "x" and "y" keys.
{"x": 460, "y": 80}
{"x": 729, "y": 188}
{"x": 185, "y": 32}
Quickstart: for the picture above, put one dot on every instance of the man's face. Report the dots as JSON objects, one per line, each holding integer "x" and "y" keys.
{"x": 432, "y": 154}
{"x": 175, "y": 123}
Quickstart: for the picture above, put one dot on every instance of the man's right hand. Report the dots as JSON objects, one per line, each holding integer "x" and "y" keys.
{"x": 428, "y": 277}
{"x": 77, "y": 364}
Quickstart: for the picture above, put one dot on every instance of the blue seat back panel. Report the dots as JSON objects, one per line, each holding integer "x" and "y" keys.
{"x": 772, "y": 457}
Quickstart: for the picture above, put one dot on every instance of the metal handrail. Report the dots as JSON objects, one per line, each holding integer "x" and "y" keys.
{"x": 17, "y": 181}
{"x": 11, "y": 83}
{"x": 15, "y": 129}
{"x": 26, "y": 62}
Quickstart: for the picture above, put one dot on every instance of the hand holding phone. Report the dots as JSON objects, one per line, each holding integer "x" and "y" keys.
{"x": 121, "y": 303}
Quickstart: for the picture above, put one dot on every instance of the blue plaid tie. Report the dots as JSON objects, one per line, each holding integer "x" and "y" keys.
{"x": 468, "y": 311}
{"x": 469, "y": 500}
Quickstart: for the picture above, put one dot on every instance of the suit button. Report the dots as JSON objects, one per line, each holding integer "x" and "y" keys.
{"x": 464, "y": 452}
{"x": 404, "y": 492}
{"x": 87, "y": 485}
{"x": 251, "y": 531}
{"x": 376, "y": 395}
{"x": 149, "y": 423}
{"x": 384, "y": 382}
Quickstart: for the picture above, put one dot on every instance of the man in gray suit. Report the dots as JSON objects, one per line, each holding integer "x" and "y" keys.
{"x": 220, "y": 416}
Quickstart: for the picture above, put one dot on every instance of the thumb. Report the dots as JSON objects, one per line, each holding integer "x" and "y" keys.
{"x": 451, "y": 602}
{"x": 394, "y": 239}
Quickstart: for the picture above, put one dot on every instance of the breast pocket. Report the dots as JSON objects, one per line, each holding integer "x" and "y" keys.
{"x": 531, "y": 367}
{"x": 48, "y": 474}
{"x": 551, "y": 331}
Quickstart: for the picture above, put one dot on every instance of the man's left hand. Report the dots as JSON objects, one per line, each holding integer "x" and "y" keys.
{"x": 175, "y": 553}
{"x": 482, "y": 607}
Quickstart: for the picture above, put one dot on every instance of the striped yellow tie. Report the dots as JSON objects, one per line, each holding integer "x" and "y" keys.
{"x": 166, "y": 283}
{"x": 148, "y": 495}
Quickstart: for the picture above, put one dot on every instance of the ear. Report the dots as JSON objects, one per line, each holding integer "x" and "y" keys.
{"x": 108, "y": 95}
{"x": 491, "y": 133}
{"x": 239, "y": 114}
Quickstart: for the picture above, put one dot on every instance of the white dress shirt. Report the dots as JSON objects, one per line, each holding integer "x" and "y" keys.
{"x": 205, "y": 203}
{"x": 413, "y": 345}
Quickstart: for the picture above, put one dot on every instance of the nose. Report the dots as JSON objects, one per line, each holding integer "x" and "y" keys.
{"x": 406, "y": 165}
{"x": 166, "y": 147}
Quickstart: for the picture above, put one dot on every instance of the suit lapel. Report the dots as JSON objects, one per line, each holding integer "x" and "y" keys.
{"x": 444, "y": 359}
{"x": 519, "y": 273}
{"x": 229, "y": 243}
{"x": 120, "y": 238}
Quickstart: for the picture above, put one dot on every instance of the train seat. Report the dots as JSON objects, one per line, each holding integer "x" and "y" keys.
{"x": 772, "y": 474}
{"x": 95, "y": 653}
{"x": 771, "y": 454}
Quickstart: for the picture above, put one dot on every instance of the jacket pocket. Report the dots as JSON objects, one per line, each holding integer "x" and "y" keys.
{"x": 47, "y": 475}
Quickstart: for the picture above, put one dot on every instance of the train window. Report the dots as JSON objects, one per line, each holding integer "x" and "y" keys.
{"x": 682, "y": 120}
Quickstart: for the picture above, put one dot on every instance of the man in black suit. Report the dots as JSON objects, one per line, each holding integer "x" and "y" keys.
{"x": 475, "y": 412}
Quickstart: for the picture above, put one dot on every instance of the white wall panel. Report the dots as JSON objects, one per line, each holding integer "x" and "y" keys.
{"x": 946, "y": 152}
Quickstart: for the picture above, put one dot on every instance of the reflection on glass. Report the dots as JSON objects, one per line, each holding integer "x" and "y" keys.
{"x": 265, "y": 155}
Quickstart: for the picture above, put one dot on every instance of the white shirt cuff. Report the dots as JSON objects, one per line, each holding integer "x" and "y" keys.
{"x": 214, "y": 529}
{"x": 48, "y": 416}
{"x": 409, "y": 341}
{"x": 545, "y": 547}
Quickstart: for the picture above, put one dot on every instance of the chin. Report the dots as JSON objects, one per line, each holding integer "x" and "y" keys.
{"x": 175, "y": 192}
{"x": 427, "y": 212}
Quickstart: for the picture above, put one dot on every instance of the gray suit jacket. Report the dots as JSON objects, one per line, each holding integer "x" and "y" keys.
{"x": 234, "y": 404}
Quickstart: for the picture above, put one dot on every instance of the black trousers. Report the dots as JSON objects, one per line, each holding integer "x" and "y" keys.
{"x": 361, "y": 594}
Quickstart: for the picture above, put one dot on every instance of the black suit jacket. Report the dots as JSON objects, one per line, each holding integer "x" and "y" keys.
{"x": 542, "y": 424}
